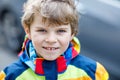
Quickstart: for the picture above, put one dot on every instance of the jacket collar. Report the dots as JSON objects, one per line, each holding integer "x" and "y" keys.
{"x": 38, "y": 65}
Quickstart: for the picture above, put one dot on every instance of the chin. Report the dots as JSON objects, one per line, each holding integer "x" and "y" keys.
{"x": 50, "y": 59}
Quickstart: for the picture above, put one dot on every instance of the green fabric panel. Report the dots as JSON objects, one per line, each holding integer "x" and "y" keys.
{"x": 30, "y": 75}
{"x": 72, "y": 72}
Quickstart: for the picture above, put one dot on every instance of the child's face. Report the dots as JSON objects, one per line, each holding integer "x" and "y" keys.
{"x": 49, "y": 41}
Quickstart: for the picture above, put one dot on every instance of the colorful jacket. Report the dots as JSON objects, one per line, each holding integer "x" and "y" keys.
{"x": 69, "y": 66}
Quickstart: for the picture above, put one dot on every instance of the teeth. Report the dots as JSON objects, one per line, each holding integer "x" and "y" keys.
{"x": 51, "y": 48}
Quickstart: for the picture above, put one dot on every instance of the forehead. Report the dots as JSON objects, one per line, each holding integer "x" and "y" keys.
{"x": 42, "y": 21}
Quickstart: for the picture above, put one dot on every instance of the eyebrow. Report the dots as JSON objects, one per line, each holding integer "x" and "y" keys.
{"x": 59, "y": 27}
{"x": 62, "y": 28}
{"x": 39, "y": 26}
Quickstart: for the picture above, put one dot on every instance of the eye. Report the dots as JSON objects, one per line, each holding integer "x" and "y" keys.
{"x": 61, "y": 31}
{"x": 42, "y": 30}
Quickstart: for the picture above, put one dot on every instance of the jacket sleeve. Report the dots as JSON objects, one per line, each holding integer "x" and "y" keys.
{"x": 2, "y": 75}
{"x": 101, "y": 73}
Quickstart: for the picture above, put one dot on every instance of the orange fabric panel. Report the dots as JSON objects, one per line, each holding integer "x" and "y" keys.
{"x": 101, "y": 73}
{"x": 2, "y": 75}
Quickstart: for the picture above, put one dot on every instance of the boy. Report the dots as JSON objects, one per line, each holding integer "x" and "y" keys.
{"x": 50, "y": 50}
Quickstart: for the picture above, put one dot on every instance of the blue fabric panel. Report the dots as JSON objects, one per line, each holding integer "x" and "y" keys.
{"x": 86, "y": 64}
{"x": 14, "y": 70}
{"x": 50, "y": 70}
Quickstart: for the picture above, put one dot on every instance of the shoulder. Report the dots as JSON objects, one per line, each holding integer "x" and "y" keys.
{"x": 86, "y": 64}
{"x": 83, "y": 61}
{"x": 94, "y": 69}
{"x": 14, "y": 70}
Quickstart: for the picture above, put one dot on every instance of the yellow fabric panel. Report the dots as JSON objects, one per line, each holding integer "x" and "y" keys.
{"x": 80, "y": 78}
{"x": 76, "y": 44}
{"x": 30, "y": 75}
{"x": 73, "y": 73}
{"x": 101, "y": 73}
{"x": 2, "y": 75}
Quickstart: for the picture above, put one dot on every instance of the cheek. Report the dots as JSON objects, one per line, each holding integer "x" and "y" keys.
{"x": 65, "y": 39}
{"x": 65, "y": 44}
{"x": 36, "y": 38}
{"x": 36, "y": 42}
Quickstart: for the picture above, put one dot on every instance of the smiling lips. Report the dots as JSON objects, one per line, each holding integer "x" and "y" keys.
{"x": 50, "y": 48}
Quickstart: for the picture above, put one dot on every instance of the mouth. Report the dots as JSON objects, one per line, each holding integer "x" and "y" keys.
{"x": 51, "y": 48}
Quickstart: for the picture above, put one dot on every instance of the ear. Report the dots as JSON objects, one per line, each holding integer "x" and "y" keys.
{"x": 72, "y": 36}
{"x": 27, "y": 31}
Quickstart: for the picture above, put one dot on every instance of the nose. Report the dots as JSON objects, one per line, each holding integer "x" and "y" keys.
{"x": 51, "y": 38}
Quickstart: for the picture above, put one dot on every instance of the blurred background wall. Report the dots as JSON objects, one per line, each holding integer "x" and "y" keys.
{"x": 99, "y": 32}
